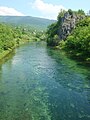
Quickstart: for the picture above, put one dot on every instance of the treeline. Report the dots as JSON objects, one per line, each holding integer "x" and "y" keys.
{"x": 11, "y": 36}
{"x": 77, "y": 41}
{"x": 7, "y": 37}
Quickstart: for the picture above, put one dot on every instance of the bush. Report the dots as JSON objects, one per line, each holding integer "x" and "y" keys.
{"x": 79, "y": 40}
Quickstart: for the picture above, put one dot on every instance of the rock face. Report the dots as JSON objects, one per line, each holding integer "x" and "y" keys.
{"x": 68, "y": 23}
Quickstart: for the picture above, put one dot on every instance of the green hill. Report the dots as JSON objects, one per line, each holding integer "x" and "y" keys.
{"x": 27, "y": 21}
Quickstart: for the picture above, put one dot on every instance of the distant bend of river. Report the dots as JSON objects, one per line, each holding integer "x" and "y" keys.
{"x": 40, "y": 83}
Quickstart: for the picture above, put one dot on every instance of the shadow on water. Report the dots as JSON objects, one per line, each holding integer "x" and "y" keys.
{"x": 6, "y": 58}
{"x": 9, "y": 56}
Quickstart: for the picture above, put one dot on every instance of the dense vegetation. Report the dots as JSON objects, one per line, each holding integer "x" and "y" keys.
{"x": 16, "y": 30}
{"x": 77, "y": 42}
{"x": 10, "y": 37}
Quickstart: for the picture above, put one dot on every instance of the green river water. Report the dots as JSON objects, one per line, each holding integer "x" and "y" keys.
{"x": 40, "y": 83}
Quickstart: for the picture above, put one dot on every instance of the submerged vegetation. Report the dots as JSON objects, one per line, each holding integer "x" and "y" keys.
{"x": 71, "y": 32}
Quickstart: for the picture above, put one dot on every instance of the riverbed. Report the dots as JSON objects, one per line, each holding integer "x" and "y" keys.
{"x": 41, "y": 83}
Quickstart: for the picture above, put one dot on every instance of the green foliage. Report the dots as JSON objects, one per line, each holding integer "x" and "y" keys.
{"x": 79, "y": 40}
{"x": 81, "y": 12}
{"x": 52, "y": 32}
{"x": 10, "y": 36}
{"x": 70, "y": 11}
{"x": 84, "y": 22}
{"x": 54, "y": 41}
{"x": 54, "y": 29}
{"x": 6, "y": 37}
{"x": 60, "y": 15}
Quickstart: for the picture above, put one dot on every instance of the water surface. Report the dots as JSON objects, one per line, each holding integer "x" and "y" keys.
{"x": 39, "y": 83}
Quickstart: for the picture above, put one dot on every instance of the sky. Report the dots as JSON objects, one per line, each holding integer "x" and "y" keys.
{"x": 41, "y": 8}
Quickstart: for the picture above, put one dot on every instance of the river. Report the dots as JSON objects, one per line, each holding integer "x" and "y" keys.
{"x": 40, "y": 83}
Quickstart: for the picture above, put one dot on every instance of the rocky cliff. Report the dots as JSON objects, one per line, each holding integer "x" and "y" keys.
{"x": 68, "y": 23}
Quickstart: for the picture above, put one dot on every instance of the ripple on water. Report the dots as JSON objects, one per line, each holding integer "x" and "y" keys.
{"x": 39, "y": 83}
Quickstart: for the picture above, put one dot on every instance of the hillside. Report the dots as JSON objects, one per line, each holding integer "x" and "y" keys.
{"x": 27, "y": 21}
{"x": 78, "y": 42}
{"x": 11, "y": 37}
{"x": 66, "y": 22}
{"x": 72, "y": 33}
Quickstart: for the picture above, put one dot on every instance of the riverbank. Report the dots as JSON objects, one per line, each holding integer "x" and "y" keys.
{"x": 74, "y": 38}
{"x": 72, "y": 54}
{"x": 12, "y": 37}
{"x": 5, "y": 53}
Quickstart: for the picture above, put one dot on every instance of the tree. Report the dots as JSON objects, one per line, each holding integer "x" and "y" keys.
{"x": 70, "y": 12}
{"x": 79, "y": 39}
{"x": 81, "y": 12}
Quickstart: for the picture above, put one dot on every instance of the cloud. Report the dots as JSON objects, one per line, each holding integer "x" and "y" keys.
{"x": 9, "y": 11}
{"x": 47, "y": 10}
